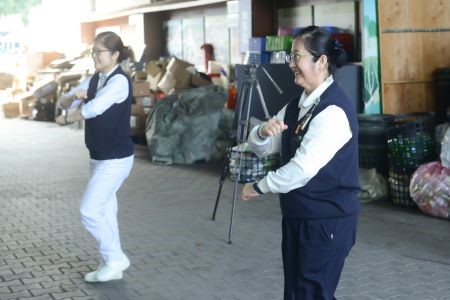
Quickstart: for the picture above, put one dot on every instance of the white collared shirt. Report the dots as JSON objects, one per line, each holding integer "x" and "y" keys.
{"x": 328, "y": 132}
{"x": 116, "y": 91}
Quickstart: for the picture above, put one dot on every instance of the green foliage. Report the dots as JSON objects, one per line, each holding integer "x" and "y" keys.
{"x": 22, "y": 7}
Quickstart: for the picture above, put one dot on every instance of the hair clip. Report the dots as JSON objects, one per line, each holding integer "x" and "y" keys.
{"x": 337, "y": 45}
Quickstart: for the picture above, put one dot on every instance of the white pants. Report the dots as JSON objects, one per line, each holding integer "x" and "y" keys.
{"x": 99, "y": 204}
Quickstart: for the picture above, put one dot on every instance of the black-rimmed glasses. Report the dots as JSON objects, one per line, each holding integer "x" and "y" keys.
{"x": 97, "y": 52}
{"x": 295, "y": 57}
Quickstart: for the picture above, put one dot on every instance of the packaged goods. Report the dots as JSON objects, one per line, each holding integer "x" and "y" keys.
{"x": 429, "y": 188}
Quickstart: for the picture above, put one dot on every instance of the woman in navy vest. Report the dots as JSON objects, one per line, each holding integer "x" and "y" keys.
{"x": 106, "y": 109}
{"x": 317, "y": 135}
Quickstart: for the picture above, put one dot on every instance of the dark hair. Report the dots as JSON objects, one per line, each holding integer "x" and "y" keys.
{"x": 318, "y": 42}
{"x": 113, "y": 42}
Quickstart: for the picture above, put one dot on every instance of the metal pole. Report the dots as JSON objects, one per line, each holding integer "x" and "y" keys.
{"x": 225, "y": 169}
{"x": 241, "y": 138}
{"x": 241, "y": 135}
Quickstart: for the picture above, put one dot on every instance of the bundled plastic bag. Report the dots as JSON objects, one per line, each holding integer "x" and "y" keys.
{"x": 182, "y": 128}
{"x": 440, "y": 132}
{"x": 445, "y": 149}
{"x": 373, "y": 185}
{"x": 430, "y": 189}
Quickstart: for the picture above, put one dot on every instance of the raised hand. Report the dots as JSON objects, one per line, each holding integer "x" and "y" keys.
{"x": 272, "y": 127}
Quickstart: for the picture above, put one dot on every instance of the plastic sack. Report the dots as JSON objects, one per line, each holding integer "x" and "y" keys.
{"x": 373, "y": 185}
{"x": 182, "y": 128}
{"x": 429, "y": 189}
{"x": 440, "y": 132}
{"x": 445, "y": 149}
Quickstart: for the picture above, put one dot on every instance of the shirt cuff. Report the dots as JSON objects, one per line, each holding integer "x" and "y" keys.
{"x": 263, "y": 186}
{"x": 83, "y": 112}
{"x": 75, "y": 103}
{"x": 255, "y": 139}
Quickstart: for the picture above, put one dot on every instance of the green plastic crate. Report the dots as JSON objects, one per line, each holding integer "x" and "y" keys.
{"x": 279, "y": 43}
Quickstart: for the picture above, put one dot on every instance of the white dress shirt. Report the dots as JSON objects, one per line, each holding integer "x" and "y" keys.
{"x": 328, "y": 131}
{"x": 116, "y": 91}
{"x": 84, "y": 85}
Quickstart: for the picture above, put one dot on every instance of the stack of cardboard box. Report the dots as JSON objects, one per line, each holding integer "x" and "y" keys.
{"x": 143, "y": 100}
{"x": 160, "y": 78}
{"x": 22, "y": 106}
{"x": 180, "y": 75}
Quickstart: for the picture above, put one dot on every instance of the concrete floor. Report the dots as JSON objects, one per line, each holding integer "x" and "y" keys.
{"x": 177, "y": 252}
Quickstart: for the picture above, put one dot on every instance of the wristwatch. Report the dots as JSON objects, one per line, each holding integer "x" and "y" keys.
{"x": 259, "y": 134}
{"x": 257, "y": 189}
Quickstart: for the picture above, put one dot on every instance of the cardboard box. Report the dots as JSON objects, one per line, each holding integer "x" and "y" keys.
{"x": 183, "y": 79}
{"x": 141, "y": 88}
{"x": 176, "y": 65}
{"x": 167, "y": 83}
{"x": 154, "y": 80}
{"x": 140, "y": 75}
{"x": 153, "y": 68}
{"x": 180, "y": 80}
{"x": 11, "y": 109}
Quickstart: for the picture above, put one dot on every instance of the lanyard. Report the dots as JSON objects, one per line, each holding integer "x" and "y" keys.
{"x": 306, "y": 118}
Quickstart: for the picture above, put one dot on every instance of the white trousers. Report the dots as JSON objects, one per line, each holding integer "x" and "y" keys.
{"x": 99, "y": 204}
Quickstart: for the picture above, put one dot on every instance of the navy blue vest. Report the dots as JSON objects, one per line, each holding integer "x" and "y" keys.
{"x": 108, "y": 136}
{"x": 333, "y": 191}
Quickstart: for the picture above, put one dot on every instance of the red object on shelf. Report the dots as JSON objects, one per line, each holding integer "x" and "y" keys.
{"x": 208, "y": 53}
{"x": 232, "y": 96}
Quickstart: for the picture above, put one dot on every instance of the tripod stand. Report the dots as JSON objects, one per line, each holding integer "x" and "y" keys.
{"x": 239, "y": 136}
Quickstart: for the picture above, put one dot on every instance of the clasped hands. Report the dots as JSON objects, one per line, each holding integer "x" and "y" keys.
{"x": 272, "y": 127}
{"x": 70, "y": 118}
{"x": 66, "y": 102}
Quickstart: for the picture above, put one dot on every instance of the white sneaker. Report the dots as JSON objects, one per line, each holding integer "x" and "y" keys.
{"x": 112, "y": 270}
{"x": 91, "y": 276}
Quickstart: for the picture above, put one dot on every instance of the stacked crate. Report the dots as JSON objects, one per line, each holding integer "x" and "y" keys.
{"x": 411, "y": 143}
{"x": 257, "y": 54}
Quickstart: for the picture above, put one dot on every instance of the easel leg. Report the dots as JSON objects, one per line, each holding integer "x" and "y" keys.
{"x": 244, "y": 102}
{"x": 230, "y": 231}
{"x": 223, "y": 176}
{"x": 225, "y": 168}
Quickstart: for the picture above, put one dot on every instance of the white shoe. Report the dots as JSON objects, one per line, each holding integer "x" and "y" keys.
{"x": 91, "y": 276}
{"x": 112, "y": 270}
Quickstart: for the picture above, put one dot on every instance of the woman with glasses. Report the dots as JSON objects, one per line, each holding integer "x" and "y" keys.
{"x": 106, "y": 109}
{"x": 317, "y": 135}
